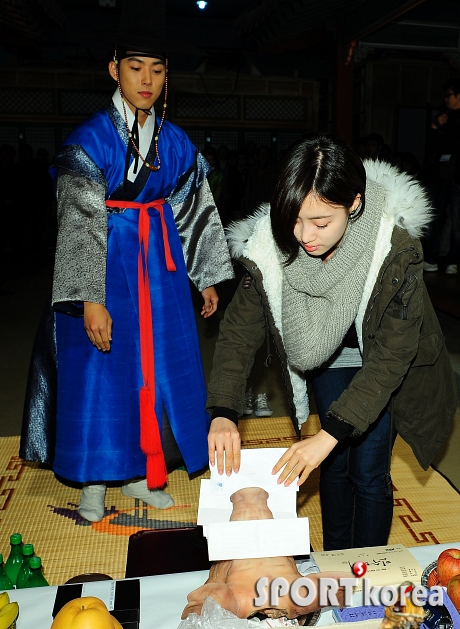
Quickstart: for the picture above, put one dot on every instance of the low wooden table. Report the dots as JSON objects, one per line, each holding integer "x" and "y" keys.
{"x": 163, "y": 597}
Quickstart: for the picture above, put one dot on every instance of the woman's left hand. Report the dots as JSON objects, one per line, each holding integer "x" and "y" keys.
{"x": 303, "y": 457}
{"x": 211, "y": 299}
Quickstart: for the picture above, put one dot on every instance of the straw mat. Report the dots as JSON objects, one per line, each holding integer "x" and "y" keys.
{"x": 35, "y": 504}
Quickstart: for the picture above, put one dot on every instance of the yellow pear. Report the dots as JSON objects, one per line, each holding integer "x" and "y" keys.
{"x": 87, "y": 612}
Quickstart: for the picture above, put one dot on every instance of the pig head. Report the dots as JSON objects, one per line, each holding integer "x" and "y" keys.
{"x": 232, "y": 583}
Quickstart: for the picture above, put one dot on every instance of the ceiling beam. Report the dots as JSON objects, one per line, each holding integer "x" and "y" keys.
{"x": 415, "y": 36}
{"x": 372, "y": 16}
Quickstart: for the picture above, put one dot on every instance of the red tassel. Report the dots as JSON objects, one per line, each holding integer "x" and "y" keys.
{"x": 151, "y": 441}
{"x": 156, "y": 472}
{"x": 150, "y": 434}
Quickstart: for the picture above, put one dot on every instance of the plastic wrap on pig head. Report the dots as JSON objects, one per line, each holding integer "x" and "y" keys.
{"x": 213, "y": 616}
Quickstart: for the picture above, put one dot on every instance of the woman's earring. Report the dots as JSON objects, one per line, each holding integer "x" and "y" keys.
{"x": 354, "y": 213}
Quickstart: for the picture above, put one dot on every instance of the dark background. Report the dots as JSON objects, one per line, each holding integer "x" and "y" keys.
{"x": 266, "y": 71}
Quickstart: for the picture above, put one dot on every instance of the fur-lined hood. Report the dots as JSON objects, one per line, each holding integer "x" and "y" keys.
{"x": 405, "y": 204}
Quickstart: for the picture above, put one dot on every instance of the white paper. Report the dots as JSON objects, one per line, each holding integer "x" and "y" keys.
{"x": 386, "y": 565}
{"x": 218, "y": 508}
{"x": 105, "y": 590}
{"x": 255, "y": 471}
{"x": 250, "y": 539}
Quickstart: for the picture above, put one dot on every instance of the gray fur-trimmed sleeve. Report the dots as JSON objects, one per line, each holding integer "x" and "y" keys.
{"x": 203, "y": 241}
{"x": 81, "y": 250}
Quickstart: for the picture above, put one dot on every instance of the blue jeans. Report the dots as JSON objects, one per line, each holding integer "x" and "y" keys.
{"x": 354, "y": 481}
{"x": 442, "y": 195}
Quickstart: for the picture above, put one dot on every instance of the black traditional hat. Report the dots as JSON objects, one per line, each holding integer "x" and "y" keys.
{"x": 143, "y": 30}
{"x": 142, "y": 33}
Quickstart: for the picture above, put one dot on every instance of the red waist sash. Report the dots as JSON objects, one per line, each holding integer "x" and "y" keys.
{"x": 150, "y": 438}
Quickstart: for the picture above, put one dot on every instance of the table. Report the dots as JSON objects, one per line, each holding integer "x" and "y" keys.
{"x": 163, "y": 597}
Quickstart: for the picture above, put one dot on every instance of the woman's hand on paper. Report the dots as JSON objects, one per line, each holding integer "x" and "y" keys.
{"x": 303, "y": 457}
{"x": 224, "y": 439}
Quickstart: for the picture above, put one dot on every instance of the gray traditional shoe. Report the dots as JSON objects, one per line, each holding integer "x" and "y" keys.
{"x": 153, "y": 497}
{"x": 91, "y": 505}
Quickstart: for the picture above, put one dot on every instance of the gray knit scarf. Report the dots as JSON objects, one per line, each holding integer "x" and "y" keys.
{"x": 320, "y": 300}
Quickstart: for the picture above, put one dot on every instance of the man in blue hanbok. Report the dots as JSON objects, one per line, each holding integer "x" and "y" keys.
{"x": 136, "y": 221}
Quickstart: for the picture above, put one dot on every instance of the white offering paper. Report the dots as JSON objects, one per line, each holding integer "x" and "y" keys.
{"x": 255, "y": 471}
{"x": 258, "y": 538}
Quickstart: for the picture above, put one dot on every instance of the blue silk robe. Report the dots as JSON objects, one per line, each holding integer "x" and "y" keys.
{"x": 97, "y": 425}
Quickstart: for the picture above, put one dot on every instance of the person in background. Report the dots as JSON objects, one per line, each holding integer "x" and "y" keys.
{"x": 335, "y": 271}
{"x": 48, "y": 227}
{"x": 408, "y": 163}
{"x": 442, "y": 176}
{"x": 376, "y": 149}
{"x": 8, "y": 215}
{"x": 237, "y": 180}
{"x": 136, "y": 221}
{"x": 250, "y": 149}
{"x": 259, "y": 182}
{"x": 223, "y": 154}
{"x": 216, "y": 182}
{"x": 28, "y": 175}
{"x": 360, "y": 147}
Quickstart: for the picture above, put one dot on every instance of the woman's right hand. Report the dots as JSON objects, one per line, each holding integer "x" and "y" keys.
{"x": 224, "y": 438}
{"x": 98, "y": 325}
{"x": 303, "y": 457}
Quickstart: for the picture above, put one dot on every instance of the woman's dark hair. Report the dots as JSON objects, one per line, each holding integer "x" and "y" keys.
{"x": 320, "y": 163}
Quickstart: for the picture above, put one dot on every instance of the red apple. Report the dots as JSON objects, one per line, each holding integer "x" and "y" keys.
{"x": 448, "y": 565}
{"x": 453, "y": 591}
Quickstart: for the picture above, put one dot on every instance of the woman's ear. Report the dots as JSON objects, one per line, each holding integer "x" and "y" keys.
{"x": 356, "y": 204}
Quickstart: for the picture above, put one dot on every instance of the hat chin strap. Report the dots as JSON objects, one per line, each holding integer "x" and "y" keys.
{"x": 146, "y": 111}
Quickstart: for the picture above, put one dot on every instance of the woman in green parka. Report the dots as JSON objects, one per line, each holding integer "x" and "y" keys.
{"x": 335, "y": 270}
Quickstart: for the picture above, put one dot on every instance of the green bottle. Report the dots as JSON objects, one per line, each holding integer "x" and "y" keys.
{"x": 5, "y": 581}
{"x": 36, "y": 579}
{"x": 24, "y": 572}
{"x": 14, "y": 561}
